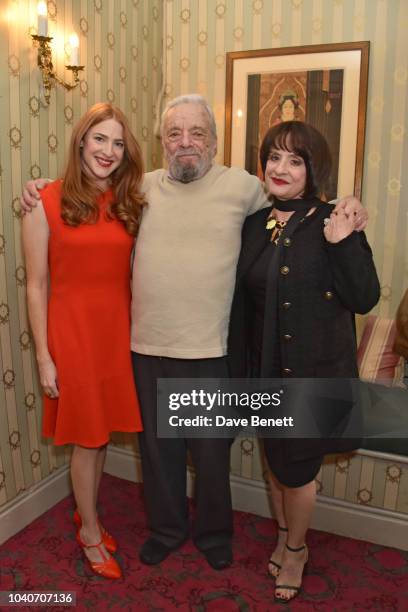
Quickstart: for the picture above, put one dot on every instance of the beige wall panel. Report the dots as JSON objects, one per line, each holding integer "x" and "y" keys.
{"x": 256, "y": 26}
{"x": 365, "y": 494}
{"x": 276, "y": 29}
{"x": 247, "y": 447}
{"x": 238, "y": 32}
{"x": 378, "y": 488}
{"x": 202, "y": 42}
{"x": 402, "y": 502}
{"x": 3, "y": 491}
{"x": 121, "y": 64}
{"x": 236, "y": 457}
{"x": 83, "y": 41}
{"x": 296, "y": 29}
{"x": 394, "y": 206}
{"x": 259, "y": 466}
{"x": 359, "y": 20}
{"x": 184, "y": 42}
{"x": 340, "y": 477}
{"x": 216, "y": 72}
{"x": 328, "y": 474}
{"x": 337, "y": 22}
{"x": 392, "y": 482}
{"x": 317, "y": 22}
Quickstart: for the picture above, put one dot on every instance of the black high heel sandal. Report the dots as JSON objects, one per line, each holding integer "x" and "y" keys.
{"x": 296, "y": 589}
{"x": 271, "y": 562}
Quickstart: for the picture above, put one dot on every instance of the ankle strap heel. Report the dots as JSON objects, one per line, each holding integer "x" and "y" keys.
{"x": 294, "y": 588}
{"x": 107, "y": 567}
{"x": 291, "y": 549}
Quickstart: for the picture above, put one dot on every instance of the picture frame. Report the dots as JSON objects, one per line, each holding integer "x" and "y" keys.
{"x": 324, "y": 85}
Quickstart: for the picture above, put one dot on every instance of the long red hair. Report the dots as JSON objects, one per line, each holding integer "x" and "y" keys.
{"x": 79, "y": 191}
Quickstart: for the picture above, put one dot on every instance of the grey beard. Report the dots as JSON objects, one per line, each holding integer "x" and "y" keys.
{"x": 186, "y": 174}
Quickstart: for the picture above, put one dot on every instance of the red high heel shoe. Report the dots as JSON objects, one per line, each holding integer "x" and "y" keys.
{"x": 107, "y": 538}
{"x": 108, "y": 568}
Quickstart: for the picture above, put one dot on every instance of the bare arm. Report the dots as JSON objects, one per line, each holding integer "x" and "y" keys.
{"x": 31, "y": 195}
{"x": 35, "y": 244}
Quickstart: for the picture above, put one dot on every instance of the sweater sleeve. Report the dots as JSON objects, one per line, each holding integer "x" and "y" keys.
{"x": 355, "y": 277}
{"x": 256, "y": 196}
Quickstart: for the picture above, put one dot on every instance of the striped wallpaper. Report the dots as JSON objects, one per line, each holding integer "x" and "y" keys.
{"x": 121, "y": 48}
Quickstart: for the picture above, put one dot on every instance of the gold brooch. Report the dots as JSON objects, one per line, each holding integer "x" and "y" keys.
{"x": 270, "y": 224}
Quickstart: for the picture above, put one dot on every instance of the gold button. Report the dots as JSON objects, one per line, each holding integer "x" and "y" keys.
{"x": 287, "y": 371}
{"x": 287, "y": 242}
{"x": 287, "y": 337}
{"x": 286, "y": 305}
{"x": 328, "y": 295}
{"x": 284, "y": 270}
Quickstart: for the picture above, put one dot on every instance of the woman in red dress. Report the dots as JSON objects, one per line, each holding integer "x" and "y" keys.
{"x": 78, "y": 243}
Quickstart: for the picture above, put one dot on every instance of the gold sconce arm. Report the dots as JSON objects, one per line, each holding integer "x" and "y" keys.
{"x": 44, "y": 61}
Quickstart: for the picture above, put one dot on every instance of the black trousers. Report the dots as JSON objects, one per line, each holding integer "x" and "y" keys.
{"x": 164, "y": 462}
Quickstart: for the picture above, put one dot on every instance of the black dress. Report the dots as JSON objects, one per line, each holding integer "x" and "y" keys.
{"x": 292, "y": 474}
{"x": 310, "y": 293}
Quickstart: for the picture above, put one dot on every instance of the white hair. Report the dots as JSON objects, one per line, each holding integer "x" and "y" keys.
{"x": 191, "y": 99}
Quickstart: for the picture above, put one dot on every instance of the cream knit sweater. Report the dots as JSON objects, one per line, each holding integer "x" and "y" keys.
{"x": 185, "y": 261}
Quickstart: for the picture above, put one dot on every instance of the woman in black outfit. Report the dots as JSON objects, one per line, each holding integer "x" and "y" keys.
{"x": 302, "y": 274}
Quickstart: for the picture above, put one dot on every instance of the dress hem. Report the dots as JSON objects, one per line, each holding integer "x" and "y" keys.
{"x": 88, "y": 445}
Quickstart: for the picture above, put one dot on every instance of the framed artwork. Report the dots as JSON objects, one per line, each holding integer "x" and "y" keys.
{"x": 324, "y": 85}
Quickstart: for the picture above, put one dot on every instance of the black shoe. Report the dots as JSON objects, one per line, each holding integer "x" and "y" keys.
{"x": 219, "y": 557}
{"x": 154, "y": 552}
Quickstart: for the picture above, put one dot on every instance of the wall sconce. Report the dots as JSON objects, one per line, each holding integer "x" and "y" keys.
{"x": 44, "y": 58}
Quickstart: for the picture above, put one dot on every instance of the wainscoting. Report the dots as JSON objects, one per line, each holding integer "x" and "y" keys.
{"x": 342, "y": 517}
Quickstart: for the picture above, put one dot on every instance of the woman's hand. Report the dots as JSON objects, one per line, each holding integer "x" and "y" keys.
{"x": 353, "y": 208}
{"x": 338, "y": 227}
{"x": 48, "y": 377}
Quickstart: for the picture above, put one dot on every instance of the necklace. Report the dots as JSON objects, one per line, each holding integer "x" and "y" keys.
{"x": 276, "y": 226}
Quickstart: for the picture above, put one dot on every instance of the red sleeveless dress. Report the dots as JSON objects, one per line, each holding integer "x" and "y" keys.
{"x": 89, "y": 327}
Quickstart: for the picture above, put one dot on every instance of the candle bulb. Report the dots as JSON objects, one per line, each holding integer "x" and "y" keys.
{"x": 42, "y": 22}
{"x": 74, "y": 42}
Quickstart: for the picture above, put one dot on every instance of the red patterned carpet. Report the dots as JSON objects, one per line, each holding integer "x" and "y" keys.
{"x": 344, "y": 575}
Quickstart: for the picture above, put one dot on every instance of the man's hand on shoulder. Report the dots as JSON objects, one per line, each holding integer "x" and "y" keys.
{"x": 31, "y": 193}
{"x": 352, "y": 206}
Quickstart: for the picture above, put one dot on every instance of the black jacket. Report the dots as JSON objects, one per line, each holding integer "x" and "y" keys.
{"x": 316, "y": 290}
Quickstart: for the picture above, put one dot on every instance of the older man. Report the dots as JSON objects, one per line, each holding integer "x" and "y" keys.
{"x": 186, "y": 255}
{"x": 184, "y": 273}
